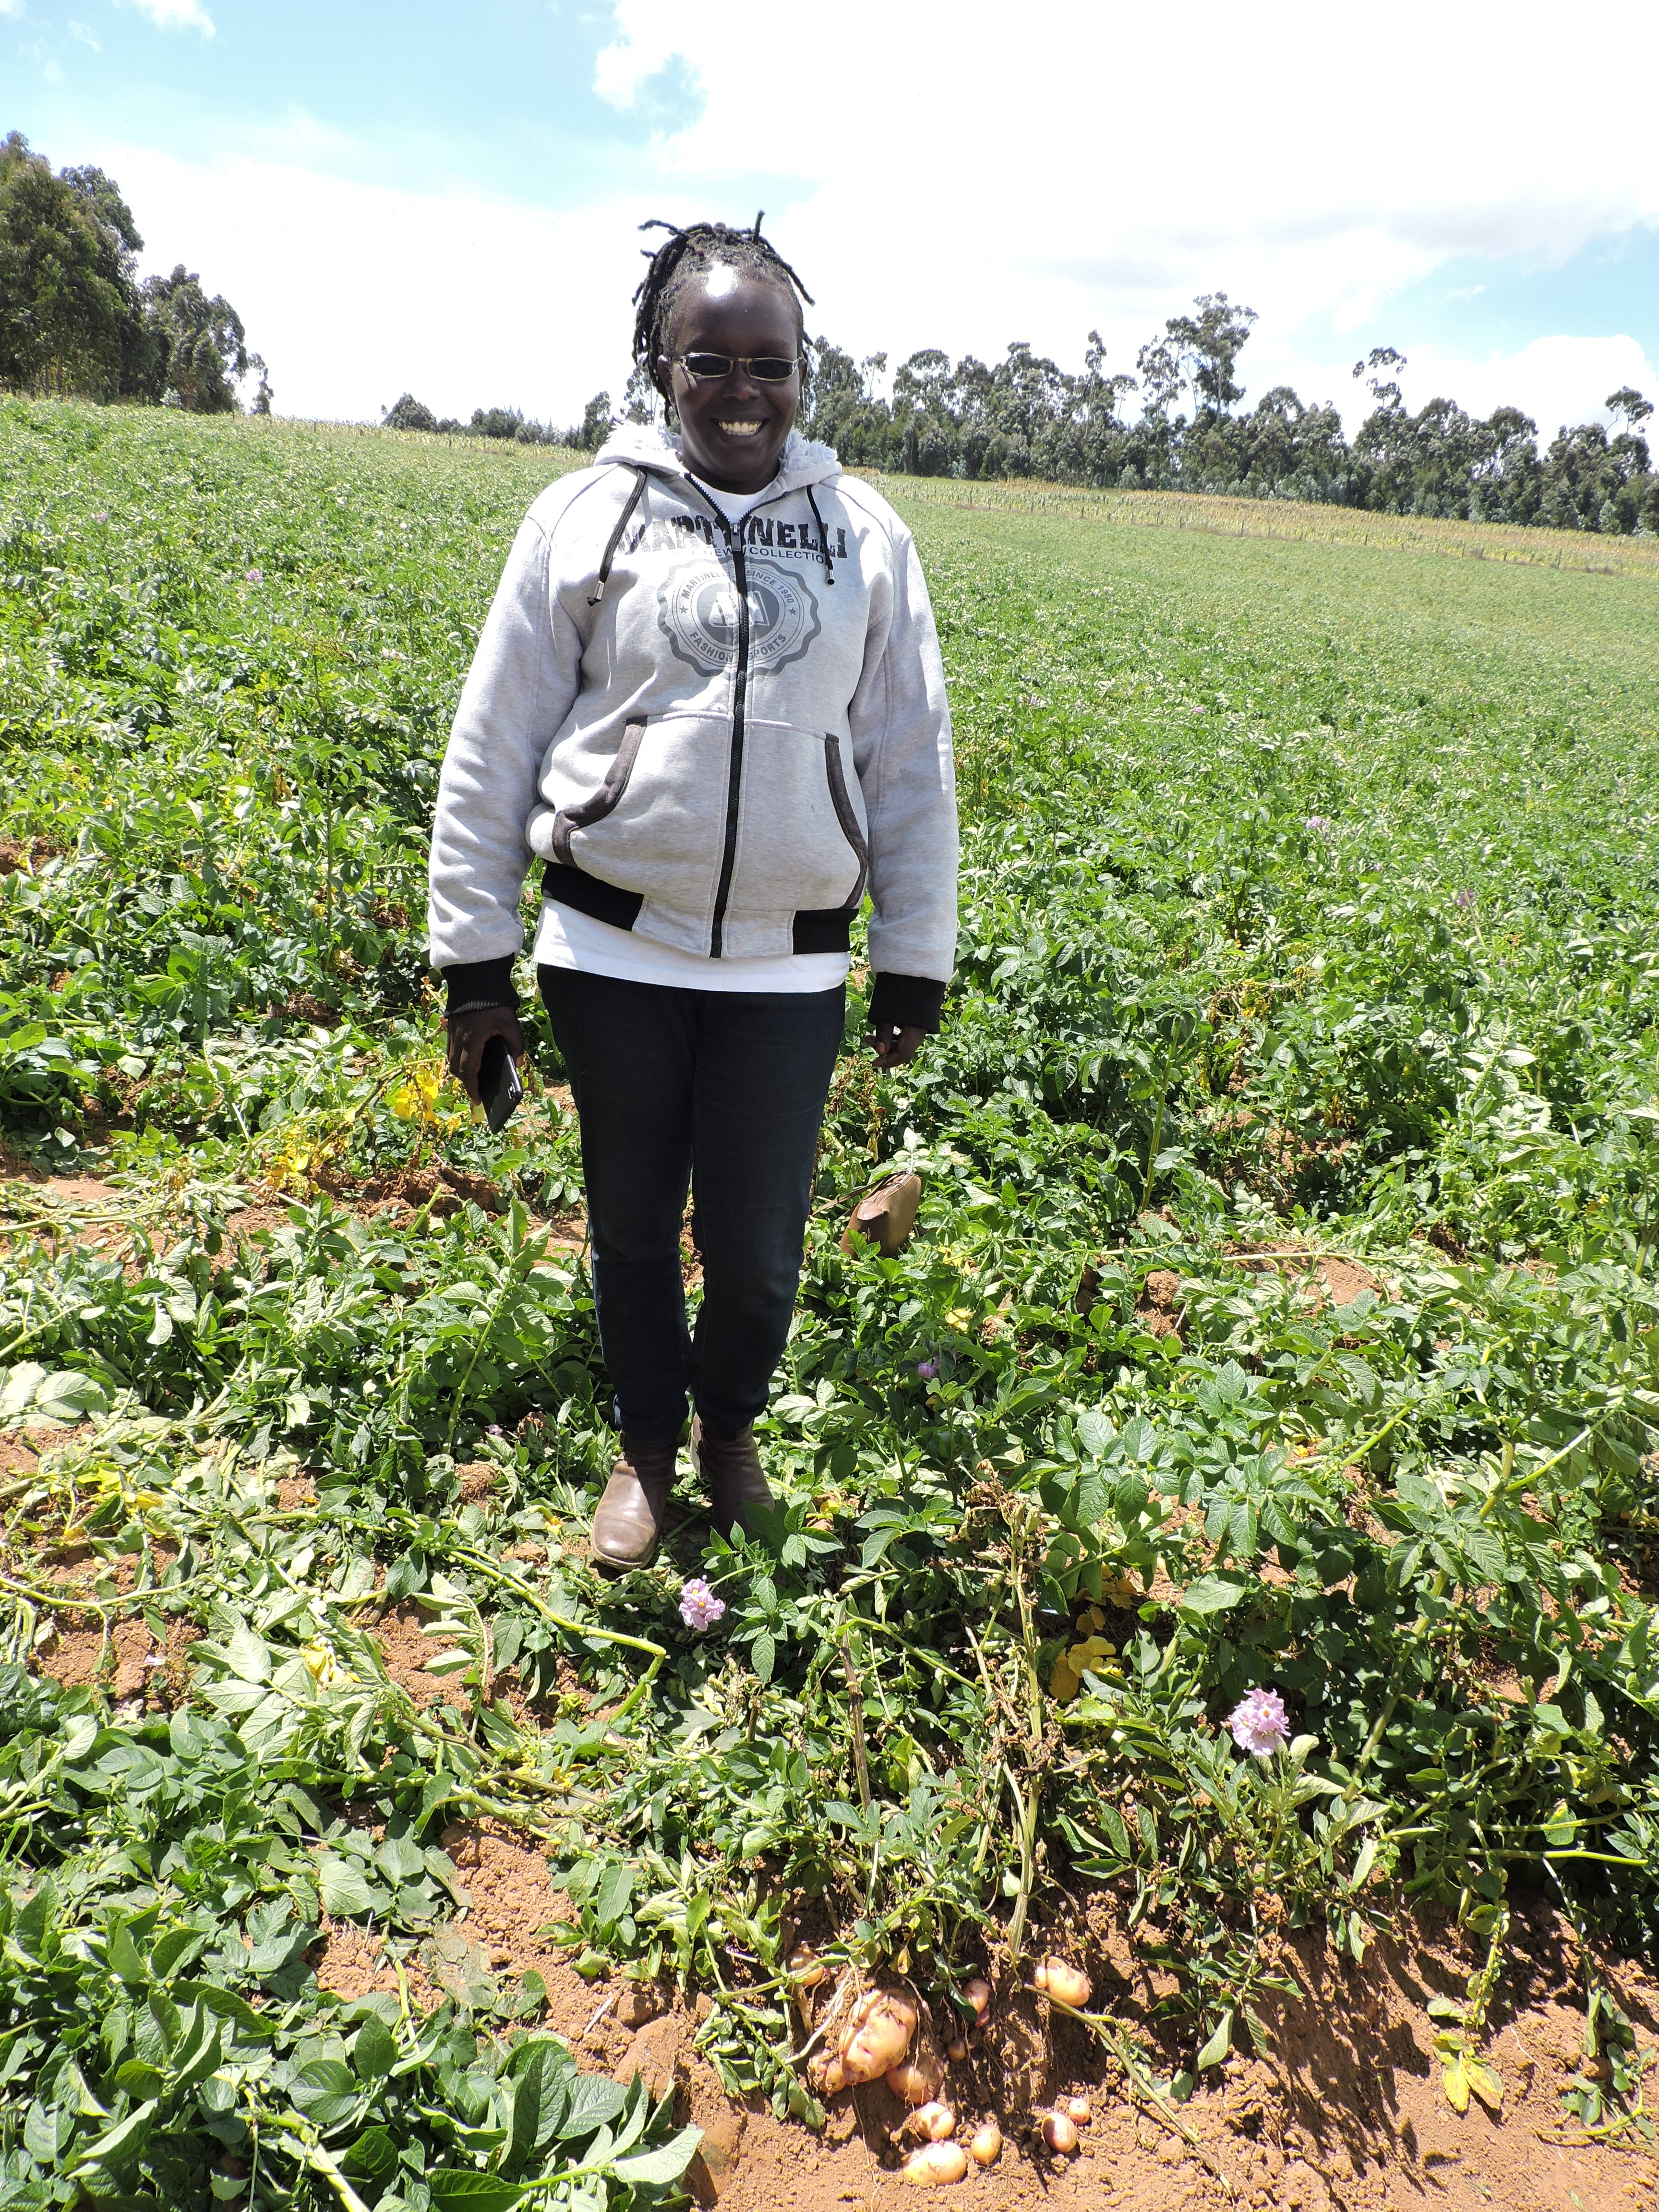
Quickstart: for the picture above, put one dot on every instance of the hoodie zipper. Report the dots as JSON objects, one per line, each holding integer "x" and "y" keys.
{"x": 739, "y": 706}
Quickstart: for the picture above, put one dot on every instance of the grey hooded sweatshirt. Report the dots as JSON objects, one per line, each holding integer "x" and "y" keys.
{"x": 718, "y": 735}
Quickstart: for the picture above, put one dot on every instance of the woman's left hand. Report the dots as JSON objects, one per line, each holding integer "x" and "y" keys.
{"x": 894, "y": 1045}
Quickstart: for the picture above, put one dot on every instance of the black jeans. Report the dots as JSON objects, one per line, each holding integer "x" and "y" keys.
{"x": 721, "y": 1092}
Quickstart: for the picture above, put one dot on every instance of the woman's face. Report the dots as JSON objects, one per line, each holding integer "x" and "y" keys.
{"x": 733, "y": 427}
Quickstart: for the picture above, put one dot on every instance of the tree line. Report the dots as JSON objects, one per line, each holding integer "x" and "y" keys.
{"x": 76, "y": 321}
{"x": 1026, "y": 416}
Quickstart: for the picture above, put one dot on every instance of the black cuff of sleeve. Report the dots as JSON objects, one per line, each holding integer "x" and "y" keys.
{"x": 907, "y": 1002}
{"x": 477, "y": 984}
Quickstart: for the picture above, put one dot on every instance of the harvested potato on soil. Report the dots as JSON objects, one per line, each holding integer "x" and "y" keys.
{"x": 1060, "y": 2132}
{"x": 986, "y": 2148}
{"x": 935, "y": 2164}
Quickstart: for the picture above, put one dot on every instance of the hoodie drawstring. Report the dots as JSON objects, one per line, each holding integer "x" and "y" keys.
{"x": 823, "y": 537}
{"x": 615, "y": 535}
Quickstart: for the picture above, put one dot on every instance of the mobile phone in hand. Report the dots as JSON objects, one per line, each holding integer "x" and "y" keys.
{"x": 498, "y": 1088}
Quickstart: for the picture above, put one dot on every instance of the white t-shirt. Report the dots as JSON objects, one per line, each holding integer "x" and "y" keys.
{"x": 567, "y": 937}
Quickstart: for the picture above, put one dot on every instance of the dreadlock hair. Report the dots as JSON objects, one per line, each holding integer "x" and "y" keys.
{"x": 687, "y": 254}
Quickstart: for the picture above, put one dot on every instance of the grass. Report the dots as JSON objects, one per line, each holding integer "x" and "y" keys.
{"x": 1283, "y": 1315}
{"x": 1222, "y": 515}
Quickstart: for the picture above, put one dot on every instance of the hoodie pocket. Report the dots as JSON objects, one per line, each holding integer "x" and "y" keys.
{"x": 847, "y": 815}
{"x": 605, "y": 800}
{"x": 801, "y": 840}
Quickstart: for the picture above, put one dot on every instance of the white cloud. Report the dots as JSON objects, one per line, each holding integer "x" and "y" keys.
{"x": 959, "y": 184}
{"x": 174, "y": 15}
{"x": 1033, "y": 179}
{"x": 14, "y": 9}
{"x": 87, "y": 36}
{"x": 355, "y": 292}
{"x": 1556, "y": 380}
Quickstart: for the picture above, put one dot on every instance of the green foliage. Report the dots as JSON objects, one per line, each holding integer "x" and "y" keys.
{"x": 1282, "y": 1312}
{"x": 1026, "y": 416}
{"x": 73, "y": 315}
{"x": 165, "y": 2040}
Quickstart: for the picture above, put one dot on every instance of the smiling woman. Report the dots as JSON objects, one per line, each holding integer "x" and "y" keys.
{"x": 709, "y": 699}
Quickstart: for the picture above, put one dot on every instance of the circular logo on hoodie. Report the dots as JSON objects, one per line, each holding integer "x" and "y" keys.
{"x": 700, "y": 618}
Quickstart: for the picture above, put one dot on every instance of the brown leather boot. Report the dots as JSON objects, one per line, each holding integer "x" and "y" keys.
{"x": 628, "y": 1520}
{"x": 730, "y": 1469}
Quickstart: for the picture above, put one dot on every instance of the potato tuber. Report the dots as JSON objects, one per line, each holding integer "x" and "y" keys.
{"x": 876, "y": 2039}
{"x": 1067, "y": 1983}
{"x": 917, "y": 2079}
{"x": 806, "y": 1969}
{"x": 986, "y": 2146}
{"x": 935, "y": 2121}
{"x": 1060, "y": 2132}
{"x": 978, "y": 1994}
{"x": 935, "y": 2164}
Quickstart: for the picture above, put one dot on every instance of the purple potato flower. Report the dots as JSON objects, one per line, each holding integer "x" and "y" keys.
{"x": 1258, "y": 1724}
{"x": 256, "y": 575}
{"x": 1319, "y": 824}
{"x": 927, "y": 1369}
{"x": 699, "y": 1606}
{"x": 1464, "y": 898}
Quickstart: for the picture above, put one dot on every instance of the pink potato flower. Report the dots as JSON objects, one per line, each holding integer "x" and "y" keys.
{"x": 1258, "y": 1724}
{"x": 699, "y": 1606}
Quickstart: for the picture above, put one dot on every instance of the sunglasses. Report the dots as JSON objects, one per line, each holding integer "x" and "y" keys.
{"x": 765, "y": 367}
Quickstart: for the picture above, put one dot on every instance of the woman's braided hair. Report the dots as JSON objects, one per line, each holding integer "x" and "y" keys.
{"x": 691, "y": 252}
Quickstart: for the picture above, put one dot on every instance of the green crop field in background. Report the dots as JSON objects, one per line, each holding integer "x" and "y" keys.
{"x": 1283, "y": 1314}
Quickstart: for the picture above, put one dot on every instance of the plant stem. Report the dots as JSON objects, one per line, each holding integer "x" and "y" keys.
{"x": 856, "y": 1715}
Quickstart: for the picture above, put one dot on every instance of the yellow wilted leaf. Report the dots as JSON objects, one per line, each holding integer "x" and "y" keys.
{"x": 414, "y": 1099}
{"x": 960, "y": 1316}
{"x": 1455, "y": 2080}
{"x": 1065, "y": 1682}
{"x": 1487, "y": 2082}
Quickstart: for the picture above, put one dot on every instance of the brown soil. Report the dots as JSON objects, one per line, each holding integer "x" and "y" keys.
{"x": 72, "y": 1658}
{"x": 477, "y": 1478}
{"x": 1345, "y": 2113}
{"x": 20, "y": 1455}
{"x": 405, "y": 1651}
{"x": 23, "y": 855}
{"x": 1158, "y": 1311}
{"x": 135, "y": 1667}
{"x": 1330, "y": 1278}
{"x": 43, "y": 1200}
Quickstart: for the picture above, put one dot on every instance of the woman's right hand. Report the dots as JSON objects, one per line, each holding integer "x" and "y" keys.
{"x": 468, "y": 1034}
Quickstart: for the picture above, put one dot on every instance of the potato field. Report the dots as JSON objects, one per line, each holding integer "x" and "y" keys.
{"x": 1279, "y": 1337}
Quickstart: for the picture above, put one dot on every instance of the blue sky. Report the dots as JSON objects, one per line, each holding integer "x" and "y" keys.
{"x": 419, "y": 94}
{"x": 443, "y": 198}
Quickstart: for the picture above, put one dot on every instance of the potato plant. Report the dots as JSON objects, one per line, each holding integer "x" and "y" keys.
{"x": 1279, "y": 1336}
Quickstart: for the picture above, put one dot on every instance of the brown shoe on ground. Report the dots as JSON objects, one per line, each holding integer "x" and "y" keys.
{"x": 729, "y": 1470}
{"x": 628, "y": 1520}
